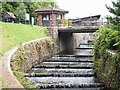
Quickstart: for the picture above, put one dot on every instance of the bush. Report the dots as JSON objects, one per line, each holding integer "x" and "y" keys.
{"x": 109, "y": 37}
{"x": 64, "y": 22}
{"x": 107, "y": 65}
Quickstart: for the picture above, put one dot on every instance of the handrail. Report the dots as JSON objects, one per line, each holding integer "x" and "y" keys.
{"x": 70, "y": 23}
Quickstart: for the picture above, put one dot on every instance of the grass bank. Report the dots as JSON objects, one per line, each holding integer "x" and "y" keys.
{"x": 12, "y": 34}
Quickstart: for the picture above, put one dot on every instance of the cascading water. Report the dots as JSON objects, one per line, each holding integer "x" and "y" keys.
{"x": 69, "y": 70}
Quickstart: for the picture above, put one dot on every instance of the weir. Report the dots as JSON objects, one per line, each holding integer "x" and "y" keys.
{"x": 71, "y": 70}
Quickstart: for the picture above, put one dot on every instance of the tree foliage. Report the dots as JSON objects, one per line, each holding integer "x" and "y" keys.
{"x": 115, "y": 10}
{"x": 20, "y": 11}
{"x": 107, "y": 65}
{"x": 28, "y": 7}
{"x": 109, "y": 37}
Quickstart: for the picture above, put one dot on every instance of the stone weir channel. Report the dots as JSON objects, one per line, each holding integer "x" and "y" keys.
{"x": 68, "y": 70}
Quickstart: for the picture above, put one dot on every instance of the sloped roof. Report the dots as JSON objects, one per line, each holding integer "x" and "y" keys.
{"x": 96, "y": 16}
{"x": 86, "y": 18}
{"x": 9, "y": 15}
{"x": 49, "y": 10}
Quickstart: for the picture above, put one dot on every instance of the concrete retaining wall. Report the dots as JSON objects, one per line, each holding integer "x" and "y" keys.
{"x": 23, "y": 57}
{"x": 32, "y": 53}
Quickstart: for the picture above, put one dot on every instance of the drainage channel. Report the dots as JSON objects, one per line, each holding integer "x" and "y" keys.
{"x": 72, "y": 70}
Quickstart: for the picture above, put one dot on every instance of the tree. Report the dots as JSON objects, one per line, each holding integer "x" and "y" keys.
{"x": 20, "y": 11}
{"x": 20, "y": 8}
{"x": 6, "y": 7}
{"x": 114, "y": 37}
{"x": 115, "y": 10}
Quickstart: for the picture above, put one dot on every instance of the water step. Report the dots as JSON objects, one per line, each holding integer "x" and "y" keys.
{"x": 90, "y": 55}
{"x": 84, "y": 48}
{"x": 58, "y": 75}
{"x": 51, "y": 60}
{"x": 64, "y": 66}
{"x": 67, "y": 63}
{"x": 99, "y": 88}
{"x": 86, "y": 45}
{"x": 79, "y": 87}
{"x": 78, "y": 52}
{"x": 65, "y": 82}
{"x": 71, "y": 58}
{"x": 53, "y": 70}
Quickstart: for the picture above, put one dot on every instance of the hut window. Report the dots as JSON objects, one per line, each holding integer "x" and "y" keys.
{"x": 46, "y": 17}
{"x": 59, "y": 16}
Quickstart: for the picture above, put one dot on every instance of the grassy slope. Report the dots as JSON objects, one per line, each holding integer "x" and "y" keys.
{"x": 15, "y": 34}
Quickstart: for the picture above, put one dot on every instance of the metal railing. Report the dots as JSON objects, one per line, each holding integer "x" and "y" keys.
{"x": 67, "y": 23}
{"x": 70, "y": 23}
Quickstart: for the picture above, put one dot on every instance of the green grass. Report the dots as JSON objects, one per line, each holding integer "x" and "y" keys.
{"x": 12, "y": 34}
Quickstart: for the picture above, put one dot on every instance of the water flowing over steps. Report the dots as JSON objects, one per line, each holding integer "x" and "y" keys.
{"x": 72, "y": 70}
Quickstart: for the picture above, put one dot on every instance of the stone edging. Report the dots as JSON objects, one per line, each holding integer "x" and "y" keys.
{"x": 7, "y": 74}
{"x": 111, "y": 52}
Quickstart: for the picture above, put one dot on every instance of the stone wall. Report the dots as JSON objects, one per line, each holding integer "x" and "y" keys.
{"x": 32, "y": 53}
{"x": 82, "y": 38}
{"x": 58, "y": 46}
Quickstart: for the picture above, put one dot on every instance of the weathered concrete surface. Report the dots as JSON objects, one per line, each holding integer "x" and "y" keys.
{"x": 84, "y": 29}
{"x": 83, "y": 38}
{"x": 58, "y": 46}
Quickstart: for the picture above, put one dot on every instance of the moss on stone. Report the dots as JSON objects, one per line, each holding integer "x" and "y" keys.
{"x": 27, "y": 56}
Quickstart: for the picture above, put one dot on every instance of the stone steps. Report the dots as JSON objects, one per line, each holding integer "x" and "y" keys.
{"x": 65, "y": 82}
{"x": 51, "y": 60}
{"x": 78, "y": 87}
{"x": 90, "y": 55}
{"x": 84, "y": 48}
{"x": 70, "y": 71}
{"x": 81, "y": 87}
{"x": 63, "y": 72}
{"x": 67, "y": 63}
{"x": 58, "y": 75}
{"x": 64, "y": 66}
{"x": 87, "y": 88}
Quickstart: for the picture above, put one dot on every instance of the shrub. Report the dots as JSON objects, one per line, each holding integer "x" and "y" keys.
{"x": 107, "y": 65}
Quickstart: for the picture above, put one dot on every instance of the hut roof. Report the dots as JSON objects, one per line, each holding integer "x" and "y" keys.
{"x": 49, "y": 10}
{"x": 9, "y": 15}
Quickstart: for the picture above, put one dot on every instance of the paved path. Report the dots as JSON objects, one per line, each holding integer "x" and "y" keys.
{"x": 7, "y": 75}
{"x": 5, "y": 69}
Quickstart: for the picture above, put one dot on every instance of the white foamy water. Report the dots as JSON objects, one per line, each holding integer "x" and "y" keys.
{"x": 62, "y": 80}
{"x": 80, "y": 71}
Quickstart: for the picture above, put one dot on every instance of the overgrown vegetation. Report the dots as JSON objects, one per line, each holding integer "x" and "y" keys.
{"x": 27, "y": 56}
{"x": 28, "y": 85}
{"x": 64, "y": 22}
{"x": 107, "y": 51}
{"x": 107, "y": 65}
{"x": 18, "y": 64}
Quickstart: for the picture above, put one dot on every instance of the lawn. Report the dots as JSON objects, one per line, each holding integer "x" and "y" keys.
{"x": 12, "y": 34}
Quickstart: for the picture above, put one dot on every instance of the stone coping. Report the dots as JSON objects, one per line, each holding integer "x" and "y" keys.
{"x": 113, "y": 52}
{"x": 7, "y": 74}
